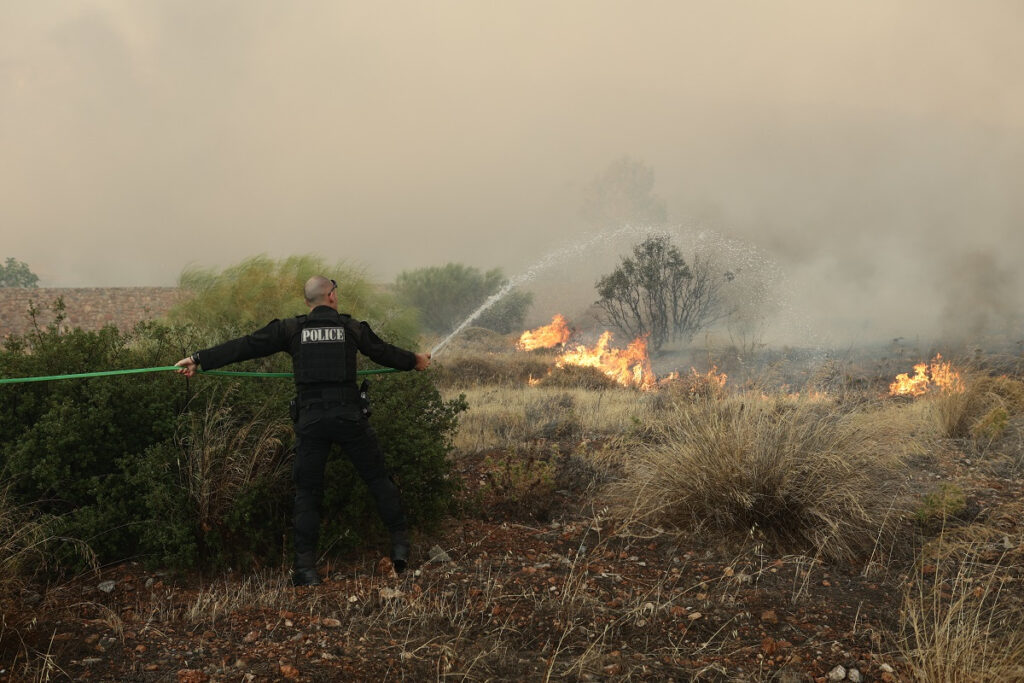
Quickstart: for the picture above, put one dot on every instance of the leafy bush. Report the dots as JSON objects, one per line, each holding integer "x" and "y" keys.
{"x": 242, "y": 297}
{"x": 192, "y": 473}
{"x": 446, "y": 295}
{"x": 67, "y": 445}
{"x": 220, "y": 488}
{"x": 15, "y": 273}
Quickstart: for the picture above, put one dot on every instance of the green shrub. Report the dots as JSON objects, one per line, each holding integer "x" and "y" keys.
{"x": 66, "y": 445}
{"x": 943, "y": 504}
{"x": 193, "y": 473}
{"x": 218, "y": 493}
{"x": 240, "y": 298}
{"x": 446, "y": 295}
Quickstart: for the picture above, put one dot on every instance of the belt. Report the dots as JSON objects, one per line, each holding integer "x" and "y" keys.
{"x": 329, "y": 395}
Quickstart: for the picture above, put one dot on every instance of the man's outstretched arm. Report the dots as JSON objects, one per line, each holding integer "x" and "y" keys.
{"x": 263, "y": 342}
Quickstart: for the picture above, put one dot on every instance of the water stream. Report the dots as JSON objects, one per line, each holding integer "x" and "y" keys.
{"x": 553, "y": 258}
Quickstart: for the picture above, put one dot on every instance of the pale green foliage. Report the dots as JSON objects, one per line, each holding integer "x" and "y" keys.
{"x": 14, "y": 273}
{"x": 259, "y": 289}
{"x": 446, "y": 295}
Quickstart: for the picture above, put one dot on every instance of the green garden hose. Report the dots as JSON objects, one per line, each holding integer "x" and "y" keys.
{"x": 165, "y": 368}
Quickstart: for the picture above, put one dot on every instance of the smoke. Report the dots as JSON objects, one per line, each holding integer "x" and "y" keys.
{"x": 867, "y": 149}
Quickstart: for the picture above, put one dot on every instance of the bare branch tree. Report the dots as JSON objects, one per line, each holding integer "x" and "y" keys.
{"x": 655, "y": 292}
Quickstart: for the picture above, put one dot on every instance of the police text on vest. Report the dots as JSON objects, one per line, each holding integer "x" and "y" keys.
{"x": 321, "y": 335}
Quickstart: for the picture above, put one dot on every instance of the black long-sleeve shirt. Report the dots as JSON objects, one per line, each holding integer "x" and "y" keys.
{"x": 283, "y": 335}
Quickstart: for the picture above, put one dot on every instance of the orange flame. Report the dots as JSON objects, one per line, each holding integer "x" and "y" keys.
{"x": 629, "y": 367}
{"x": 939, "y": 375}
{"x": 546, "y": 336}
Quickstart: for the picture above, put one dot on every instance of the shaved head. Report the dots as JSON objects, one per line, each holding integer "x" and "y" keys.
{"x": 317, "y": 289}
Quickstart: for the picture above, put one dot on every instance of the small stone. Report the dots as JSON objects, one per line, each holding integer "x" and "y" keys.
{"x": 854, "y": 675}
{"x": 837, "y": 674}
{"x": 141, "y": 648}
{"x": 353, "y": 598}
{"x": 251, "y": 636}
{"x": 289, "y": 671}
{"x": 151, "y": 667}
{"x": 694, "y": 616}
{"x": 107, "y": 586}
{"x": 150, "y": 581}
{"x": 886, "y": 668}
{"x": 330, "y": 623}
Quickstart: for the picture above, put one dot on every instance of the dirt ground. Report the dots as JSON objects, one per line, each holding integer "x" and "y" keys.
{"x": 502, "y": 595}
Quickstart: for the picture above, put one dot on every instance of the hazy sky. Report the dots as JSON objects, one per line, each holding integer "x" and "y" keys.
{"x": 873, "y": 150}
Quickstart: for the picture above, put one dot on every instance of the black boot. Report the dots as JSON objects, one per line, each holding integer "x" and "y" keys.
{"x": 304, "y": 573}
{"x": 400, "y": 550}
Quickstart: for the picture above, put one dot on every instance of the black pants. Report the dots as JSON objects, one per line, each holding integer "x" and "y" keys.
{"x": 318, "y": 427}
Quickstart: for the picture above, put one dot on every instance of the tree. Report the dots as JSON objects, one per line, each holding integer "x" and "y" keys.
{"x": 623, "y": 194}
{"x": 258, "y": 289}
{"x": 447, "y": 295}
{"x": 17, "y": 274}
{"x": 657, "y": 293}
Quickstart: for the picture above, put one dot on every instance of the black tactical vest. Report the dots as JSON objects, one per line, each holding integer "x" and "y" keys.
{"x": 322, "y": 351}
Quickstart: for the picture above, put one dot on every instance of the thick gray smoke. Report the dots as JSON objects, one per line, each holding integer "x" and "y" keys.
{"x": 873, "y": 151}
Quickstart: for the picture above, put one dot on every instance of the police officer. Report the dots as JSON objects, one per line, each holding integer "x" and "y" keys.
{"x": 323, "y": 347}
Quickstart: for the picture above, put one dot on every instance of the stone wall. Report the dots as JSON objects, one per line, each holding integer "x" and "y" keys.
{"x": 88, "y": 308}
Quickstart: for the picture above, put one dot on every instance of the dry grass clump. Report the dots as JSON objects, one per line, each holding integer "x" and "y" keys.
{"x": 982, "y": 410}
{"x": 20, "y": 541}
{"x": 222, "y": 453}
{"x": 506, "y": 417}
{"x": 799, "y": 474}
{"x": 957, "y": 621}
{"x": 466, "y": 370}
{"x": 26, "y": 542}
{"x": 577, "y": 377}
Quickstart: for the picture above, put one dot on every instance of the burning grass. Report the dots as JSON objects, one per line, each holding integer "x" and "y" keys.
{"x": 801, "y": 475}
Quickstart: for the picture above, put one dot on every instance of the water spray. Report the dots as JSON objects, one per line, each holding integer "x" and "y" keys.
{"x": 552, "y": 258}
